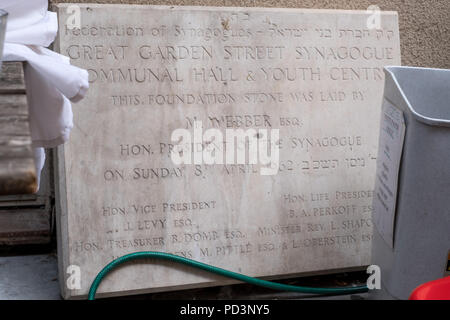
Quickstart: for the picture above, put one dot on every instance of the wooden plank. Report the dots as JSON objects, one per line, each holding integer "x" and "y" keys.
{"x": 14, "y": 104}
{"x": 24, "y": 226}
{"x": 17, "y": 170}
{"x": 25, "y": 218}
{"x": 41, "y": 198}
{"x": 12, "y": 77}
{"x": 17, "y": 176}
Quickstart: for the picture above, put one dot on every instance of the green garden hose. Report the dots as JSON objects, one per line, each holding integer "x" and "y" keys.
{"x": 226, "y": 273}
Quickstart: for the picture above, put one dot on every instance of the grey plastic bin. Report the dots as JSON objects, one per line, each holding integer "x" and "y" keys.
{"x": 422, "y": 220}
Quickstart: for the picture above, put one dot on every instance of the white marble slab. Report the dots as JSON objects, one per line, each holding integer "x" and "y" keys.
{"x": 314, "y": 75}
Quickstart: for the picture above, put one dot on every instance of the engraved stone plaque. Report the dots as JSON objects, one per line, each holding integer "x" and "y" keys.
{"x": 313, "y": 76}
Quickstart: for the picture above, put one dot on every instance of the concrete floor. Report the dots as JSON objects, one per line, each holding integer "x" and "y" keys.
{"x": 29, "y": 277}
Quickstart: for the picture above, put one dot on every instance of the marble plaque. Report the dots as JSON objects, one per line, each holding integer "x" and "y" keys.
{"x": 313, "y": 76}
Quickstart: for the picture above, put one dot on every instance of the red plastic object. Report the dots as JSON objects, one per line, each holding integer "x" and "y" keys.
{"x": 433, "y": 290}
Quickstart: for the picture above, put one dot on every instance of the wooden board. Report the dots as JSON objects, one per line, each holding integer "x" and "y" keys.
{"x": 17, "y": 171}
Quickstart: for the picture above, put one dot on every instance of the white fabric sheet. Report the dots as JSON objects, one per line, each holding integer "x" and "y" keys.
{"x": 52, "y": 82}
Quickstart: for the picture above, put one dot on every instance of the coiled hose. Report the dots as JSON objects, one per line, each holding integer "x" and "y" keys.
{"x": 206, "y": 267}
